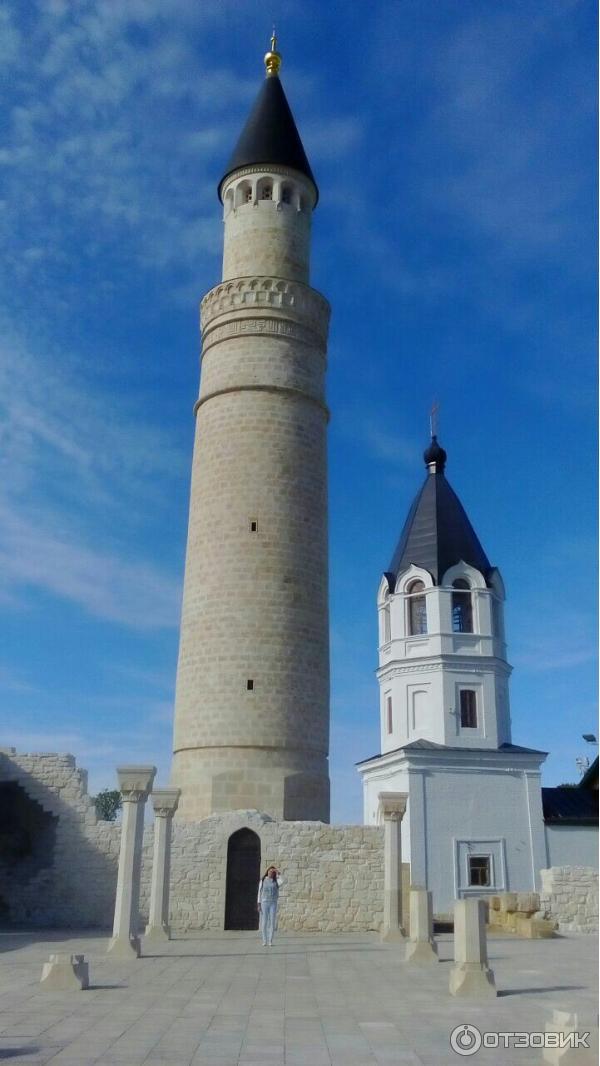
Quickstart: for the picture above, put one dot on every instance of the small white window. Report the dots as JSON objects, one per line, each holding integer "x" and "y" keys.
{"x": 480, "y": 874}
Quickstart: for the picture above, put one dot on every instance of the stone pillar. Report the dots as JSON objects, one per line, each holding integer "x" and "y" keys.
{"x": 471, "y": 975}
{"x": 392, "y": 806}
{"x": 164, "y": 802}
{"x": 65, "y": 973}
{"x": 135, "y": 783}
{"x": 421, "y": 946}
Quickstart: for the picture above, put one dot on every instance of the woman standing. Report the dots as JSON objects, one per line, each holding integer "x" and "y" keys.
{"x": 268, "y": 895}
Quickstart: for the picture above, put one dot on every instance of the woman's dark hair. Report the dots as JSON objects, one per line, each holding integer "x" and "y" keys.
{"x": 271, "y": 867}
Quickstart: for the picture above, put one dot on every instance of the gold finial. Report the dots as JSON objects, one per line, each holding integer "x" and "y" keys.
{"x": 273, "y": 58}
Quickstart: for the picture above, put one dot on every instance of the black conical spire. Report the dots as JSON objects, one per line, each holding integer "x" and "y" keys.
{"x": 270, "y": 136}
{"x": 437, "y": 533}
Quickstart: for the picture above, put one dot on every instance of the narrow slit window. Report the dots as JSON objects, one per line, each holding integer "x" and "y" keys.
{"x": 387, "y": 624}
{"x": 468, "y": 708}
{"x": 250, "y": 685}
{"x": 389, "y": 714}
{"x": 253, "y": 525}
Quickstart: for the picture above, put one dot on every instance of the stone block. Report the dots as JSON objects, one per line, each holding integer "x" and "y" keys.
{"x": 65, "y": 973}
{"x": 470, "y": 975}
{"x": 421, "y": 947}
{"x": 567, "y": 1024}
{"x": 508, "y": 901}
{"x": 527, "y": 902}
{"x": 534, "y": 928}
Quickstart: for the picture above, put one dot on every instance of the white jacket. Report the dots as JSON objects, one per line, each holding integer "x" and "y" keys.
{"x": 260, "y": 884}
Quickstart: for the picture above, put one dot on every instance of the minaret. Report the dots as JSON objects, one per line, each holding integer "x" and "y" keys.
{"x": 252, "y": 697}
{"x": 443, "y": 673}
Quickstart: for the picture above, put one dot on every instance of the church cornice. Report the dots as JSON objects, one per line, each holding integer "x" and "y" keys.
{"x": 449, "y": 663}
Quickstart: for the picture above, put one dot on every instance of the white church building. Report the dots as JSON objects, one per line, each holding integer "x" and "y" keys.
{"x": 474, "y": 822}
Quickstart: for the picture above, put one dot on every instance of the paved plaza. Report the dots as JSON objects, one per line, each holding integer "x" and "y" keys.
{"x": 311, "y": 1000}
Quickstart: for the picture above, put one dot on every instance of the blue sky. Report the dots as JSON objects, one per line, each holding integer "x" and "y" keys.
{"x": 454, "y": 145}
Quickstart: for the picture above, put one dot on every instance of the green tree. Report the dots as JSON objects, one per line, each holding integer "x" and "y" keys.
{"x": 568, "y": 784}
{"x": 108, "y": 803}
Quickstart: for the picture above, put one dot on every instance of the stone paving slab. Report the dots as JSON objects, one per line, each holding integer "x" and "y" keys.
{"x": 311, "y": 1000}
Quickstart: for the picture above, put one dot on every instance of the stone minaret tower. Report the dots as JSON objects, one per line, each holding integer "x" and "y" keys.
{"x": 252, "y": 698}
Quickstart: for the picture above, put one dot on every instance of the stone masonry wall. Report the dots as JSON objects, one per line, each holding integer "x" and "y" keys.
{"x": 70, "y": 878}
{"x": 569, "y": 894}
{"x": 333, "y": 875}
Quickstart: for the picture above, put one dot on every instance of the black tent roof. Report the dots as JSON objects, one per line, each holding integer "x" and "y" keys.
{"x": 437, "y": 533}
{"x": 270, "y": 135}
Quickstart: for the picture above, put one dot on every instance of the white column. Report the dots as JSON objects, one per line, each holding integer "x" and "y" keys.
{"x": 421, "y": 946}
{"x": 471, "y": 975}
{"x": 392, "y": 806}
{"x": 164, "y": 802}
{"x": 135, "y": 783}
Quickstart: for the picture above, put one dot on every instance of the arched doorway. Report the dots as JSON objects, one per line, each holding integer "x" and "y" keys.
{"x": 243, "y": 875}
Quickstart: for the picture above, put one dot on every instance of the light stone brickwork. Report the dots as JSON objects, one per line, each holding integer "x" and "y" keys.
{"x": 333, "y": 875}
{"x": 70, "y": 877}
{"x": 264, "y": 236}
{"x": 252, "y": 697}
{"x": 569, "y": 895}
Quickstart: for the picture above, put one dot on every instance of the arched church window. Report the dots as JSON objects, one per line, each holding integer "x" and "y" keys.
{"x": 286, "y": 194}
{"x": 417, "y": 608}
{"x": 462, "y": 606}
{"x": 248, "y": 195}
{"x": 387, "y": 623}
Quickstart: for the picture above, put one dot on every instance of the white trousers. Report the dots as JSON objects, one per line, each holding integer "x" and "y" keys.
{"x": 268, "y": 919}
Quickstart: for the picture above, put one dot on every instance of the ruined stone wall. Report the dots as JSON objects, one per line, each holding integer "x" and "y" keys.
{"x": 67, "y": 877}
{"x": 569, "y": 894}
{"x": 333, "y": 875}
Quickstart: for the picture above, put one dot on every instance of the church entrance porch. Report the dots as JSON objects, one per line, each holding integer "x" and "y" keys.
{"x": 243, "y": 875}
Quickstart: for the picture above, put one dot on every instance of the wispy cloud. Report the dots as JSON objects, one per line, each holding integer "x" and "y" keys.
{"x": 74, "y": 462}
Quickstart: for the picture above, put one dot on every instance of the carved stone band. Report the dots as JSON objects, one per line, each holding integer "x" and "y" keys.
{"x": 266, "y": 324}
{"x": 291, "y": 299}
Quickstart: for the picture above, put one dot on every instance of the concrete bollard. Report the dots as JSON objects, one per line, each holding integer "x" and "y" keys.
{"x": 571, "y": 1030}
{"x": 65, "y": 973}
{"x": 470, "y": 975}
{"x": 421, "y": 946}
